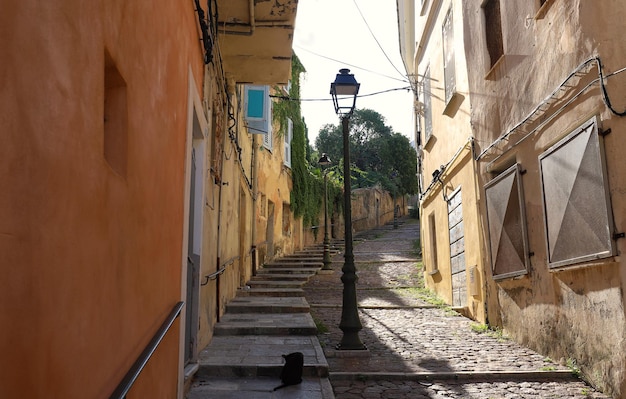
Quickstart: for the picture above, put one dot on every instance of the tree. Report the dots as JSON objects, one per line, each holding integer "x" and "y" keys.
{"x": 378, "y": 155}
{"x": 330, "y": 141}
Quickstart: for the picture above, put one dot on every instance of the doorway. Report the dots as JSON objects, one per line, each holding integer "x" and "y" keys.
{"x": 457, "y": 250}
{"x": 194, "y": 242}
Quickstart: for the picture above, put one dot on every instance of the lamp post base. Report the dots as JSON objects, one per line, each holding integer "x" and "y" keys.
{"x": 350, "y": 342}
{"x": 326, "y": 259}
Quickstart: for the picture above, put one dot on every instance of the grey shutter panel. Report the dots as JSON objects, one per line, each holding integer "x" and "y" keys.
{"x": 506, "y": 223}
{"x": 577, "y": 211}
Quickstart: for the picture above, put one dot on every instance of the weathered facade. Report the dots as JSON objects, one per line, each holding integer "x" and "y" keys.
{"x": 127, "y": 172}
{"x": 545, "y": 83}
{"x": 276, "y": 228}
{"x": 554, "y": 223}
{"x": 452, "y": 242}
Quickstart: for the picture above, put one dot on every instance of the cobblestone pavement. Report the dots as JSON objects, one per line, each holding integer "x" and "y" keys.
{"x": 416, "y": 349}
{"x": 444, "y": 389}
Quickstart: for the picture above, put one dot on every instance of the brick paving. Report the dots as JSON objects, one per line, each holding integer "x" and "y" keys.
{"x": 415, "y": 349}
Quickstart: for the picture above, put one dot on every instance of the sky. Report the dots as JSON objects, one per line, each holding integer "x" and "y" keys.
{"x": 335, "y": 34}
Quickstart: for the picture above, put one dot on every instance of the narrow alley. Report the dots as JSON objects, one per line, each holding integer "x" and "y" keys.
{"x": 416, "y": 347}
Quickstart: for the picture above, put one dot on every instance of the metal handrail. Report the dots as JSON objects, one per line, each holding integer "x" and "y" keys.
{"x": 130, "y": 377}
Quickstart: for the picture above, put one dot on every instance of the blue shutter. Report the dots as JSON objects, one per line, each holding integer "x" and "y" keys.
{"x": 255, "y": 102}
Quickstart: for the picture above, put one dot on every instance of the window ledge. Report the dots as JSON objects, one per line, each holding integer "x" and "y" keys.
{"x": 584, "y": 265}
{"x": 491, "y": 75}
{"x": 543, "y": 9}
{"x": 429, "y": 140}
{"x": 511, "y": 276}
{"x": 453, "y": 105}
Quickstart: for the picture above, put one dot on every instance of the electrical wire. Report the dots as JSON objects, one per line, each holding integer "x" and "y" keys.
{"x": 350, "y": 65}
{"x": 439, "y": 172}
{"x": 581, "y": 67}
{"x": 605, "y": 94}
{"x": 287, "y": 98}
{"x": 376, "y": 40}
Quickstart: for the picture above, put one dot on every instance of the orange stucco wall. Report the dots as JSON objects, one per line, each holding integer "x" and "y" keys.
{"x": 91, "y": 259}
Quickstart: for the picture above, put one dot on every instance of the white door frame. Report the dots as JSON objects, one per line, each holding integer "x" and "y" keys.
{"x": 195, "y": 140}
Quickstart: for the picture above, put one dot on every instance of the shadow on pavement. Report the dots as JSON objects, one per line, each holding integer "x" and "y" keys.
{"x": 389, "y": 270}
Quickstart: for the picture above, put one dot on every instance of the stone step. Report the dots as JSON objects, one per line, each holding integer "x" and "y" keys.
{"x": 268, "y": 305}
{"x": 263, "y": 324}
{"x": 319, "y": 250}
{"x": 276, "y": 283}
{"x": 282, "y": 276}
{"x": 257, "y": 387}
{"x": 251, "y": 356}
{"x": 291, "y": 264}
{"x": 273, "y": 292}
{"x": 291, "y": 258}
{"x": 287, "y": 270}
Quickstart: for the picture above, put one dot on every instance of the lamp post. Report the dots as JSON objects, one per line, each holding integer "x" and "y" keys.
{"x": 344, "y": 91}
{"x": 325, "y": 161}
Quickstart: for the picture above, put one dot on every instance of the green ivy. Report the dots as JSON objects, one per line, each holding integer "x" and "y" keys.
{"x": 308, "y": 179}
{"x": 306, "y": 197}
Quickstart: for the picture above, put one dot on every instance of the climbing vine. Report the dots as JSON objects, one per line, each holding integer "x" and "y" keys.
{"x": 308, "y": 181}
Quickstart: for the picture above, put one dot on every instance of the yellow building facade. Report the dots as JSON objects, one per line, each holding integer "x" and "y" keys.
{"x": 545, "y": 85}
{"x": 549, "y": 98}
{"x": 432, "y": 43}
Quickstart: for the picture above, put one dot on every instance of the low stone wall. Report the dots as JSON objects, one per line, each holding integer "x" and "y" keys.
{"x": 371, "y": 207}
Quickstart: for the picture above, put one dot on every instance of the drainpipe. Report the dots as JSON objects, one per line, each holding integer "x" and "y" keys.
{"x": 254, "y": 205}
{"x": 219, "y": 234}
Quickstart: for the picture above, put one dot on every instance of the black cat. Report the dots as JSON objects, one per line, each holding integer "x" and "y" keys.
{"x": 291, "y": 373}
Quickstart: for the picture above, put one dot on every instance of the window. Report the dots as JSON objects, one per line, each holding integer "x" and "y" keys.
{"x": 267, "y": 139}
{"x": 263, "y": 205}
{"x": 432, "y": 231}
{"x": 493, "y": 28}
{"x": 506, "y": 224}
{"x": 255, "y": 100}
{"x": 115, "y": 117}
{"x": 286, "y": 220}
{"x": 258, "y": 112}
{"x": 428, "y": 112}
{"x": 286, "y": 88}
{"x": 258, "y": 107}
{"x": 287, "y": 146}
{"x": 577, "y": 211}
{"x": 448, "y": 56}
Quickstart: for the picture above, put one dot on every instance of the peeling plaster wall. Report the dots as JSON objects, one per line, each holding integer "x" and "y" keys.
{"x": 227, "y": 228}
{"x": 277, "y": 233}
{"x": 575, "y": 312}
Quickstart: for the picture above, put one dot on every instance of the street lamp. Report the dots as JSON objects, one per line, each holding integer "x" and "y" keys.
{"x": 325, "y": 161}
{"x": 344, "y": 91}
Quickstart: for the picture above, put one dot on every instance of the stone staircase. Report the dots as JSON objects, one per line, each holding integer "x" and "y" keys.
{"x": 268, "y": 318}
